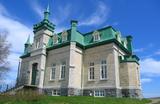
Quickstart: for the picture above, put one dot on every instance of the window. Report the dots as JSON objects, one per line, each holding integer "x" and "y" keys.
{"x": 103, "y": 70}
{"x": 63, "y": 70}
{"x": 55, "y": 92}
{"x": 99, "y": 93}
{"x": 96, "y": 36}
{"x": 91, "y": 71}
{"x": 53, "y": 71}
{"x": 38, "y": 43}
{"x": 64, "y": 36}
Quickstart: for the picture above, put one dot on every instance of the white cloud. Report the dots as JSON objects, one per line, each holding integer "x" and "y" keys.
{"x": 146, "y": 80}
{"x": 13, "y": 58}
{"x": 60, "y": 29}
{"x": 151, "y": 94}
{"x": 157, "y": 52}
{"x": 63, "y": 14}
{"x": 17, "y": 35}
{"x": 98, "y": 17}
{"x": 18, "y": 32}
{"x": 150, "y": 67}
{"x": 61, "y": 17}
{"x": 37, "y": 8}
{"x": 144, "y": 48}
{"x": 3, "y": 10}
{"x": 139, "y": 50}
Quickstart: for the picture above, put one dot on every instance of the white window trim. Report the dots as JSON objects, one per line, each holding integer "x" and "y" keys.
{"x": 64, "y": 36}
{"x": 61, "y": 71}
{"x": 101, "y": 70}
{"x": 54, "y": 66}
{"x": 55, "y": 39}
{"x": 99, "y": 93}
{"x": 57, "y": 91}
{"x": 89, "y": 72}
{"x": 96, "y": 36}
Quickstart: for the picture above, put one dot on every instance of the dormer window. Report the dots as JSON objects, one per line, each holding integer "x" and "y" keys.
{"x": 96, "y": 36}
{"x": 55, "y": 39}
{"x": 64, "y": 36}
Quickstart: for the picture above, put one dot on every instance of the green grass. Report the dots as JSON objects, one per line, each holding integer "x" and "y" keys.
{"x": 70, "y": 100}
{"x": 34, "y": 98}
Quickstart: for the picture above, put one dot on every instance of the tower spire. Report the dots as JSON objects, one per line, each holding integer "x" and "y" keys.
{"x": 28, "y": 40}
{"x": 46, "y": 13}
{"x": 47, "y": 8}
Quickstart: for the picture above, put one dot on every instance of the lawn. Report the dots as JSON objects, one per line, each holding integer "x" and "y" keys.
{"x": 39, "y": 99}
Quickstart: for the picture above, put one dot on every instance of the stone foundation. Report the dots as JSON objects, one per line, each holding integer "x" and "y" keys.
{"x": 63, "y": 91}
{"x": 107, "y": 92}
{"x": 112, "y": 92}
{"x": 132, "y": 93}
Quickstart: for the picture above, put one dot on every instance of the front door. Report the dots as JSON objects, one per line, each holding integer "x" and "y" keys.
{"x": 34, "y": 73}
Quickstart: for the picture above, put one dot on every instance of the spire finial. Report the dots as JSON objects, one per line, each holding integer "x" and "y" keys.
{"x": 47, "y": 10}
{"x": 46, "y": 13}
{"x": 28, "y": 40}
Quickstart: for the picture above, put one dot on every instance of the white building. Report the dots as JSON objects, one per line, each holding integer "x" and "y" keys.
{"x": 98, "y": 63}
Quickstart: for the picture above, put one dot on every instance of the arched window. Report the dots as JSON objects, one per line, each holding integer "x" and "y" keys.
{"x": 55, "y": 39}
{"x": 96, "y": 36}
{"x": 64, "y": 36}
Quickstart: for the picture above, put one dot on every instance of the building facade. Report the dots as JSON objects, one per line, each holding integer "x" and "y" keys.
{"x": 97, "y": 63}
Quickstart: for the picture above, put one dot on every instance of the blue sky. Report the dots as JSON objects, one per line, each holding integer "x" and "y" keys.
{"x": 139, "y": 18}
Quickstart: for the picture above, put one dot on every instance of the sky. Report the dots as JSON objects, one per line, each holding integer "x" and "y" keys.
{"x": 139, "y": 18}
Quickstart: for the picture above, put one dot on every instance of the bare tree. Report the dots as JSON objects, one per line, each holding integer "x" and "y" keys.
{"x": 4, "y": 52}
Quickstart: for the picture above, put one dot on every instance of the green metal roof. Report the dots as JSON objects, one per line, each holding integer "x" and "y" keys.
{"x": 84, "y": 40}
{"x": 129, "y": 58}
{"x": 45, "y": 24}
{"x": 107, "y": 34}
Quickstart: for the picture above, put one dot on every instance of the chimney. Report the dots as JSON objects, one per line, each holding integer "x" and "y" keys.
{"x": 74, "y": 24}
{"x": 129, "y": 42}
{"x": 73, "y": 29}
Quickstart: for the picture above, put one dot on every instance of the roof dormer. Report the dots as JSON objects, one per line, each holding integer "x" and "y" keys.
{"x": 96, "y": 36}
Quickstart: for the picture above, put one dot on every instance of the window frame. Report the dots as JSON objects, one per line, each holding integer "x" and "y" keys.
{"x": 63, "y": 71}
{"x": 103, "y": 67}
{"x": 64, "y": 36}
{"x": 96, "y": 36}
{"x": 55, "y": 39}
{"x": 99, "y": 93}
{"x": 91, "y": 71}
{"x": 51, "y": 72}
{"x": 55, "y": 92}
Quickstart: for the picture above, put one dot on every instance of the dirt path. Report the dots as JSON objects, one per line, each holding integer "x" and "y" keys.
{"x": 155, "y": 101}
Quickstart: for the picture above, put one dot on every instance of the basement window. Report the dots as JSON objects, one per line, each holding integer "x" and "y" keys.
{"x": 55, "y": 92}
{"x": 99, "y": 93}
